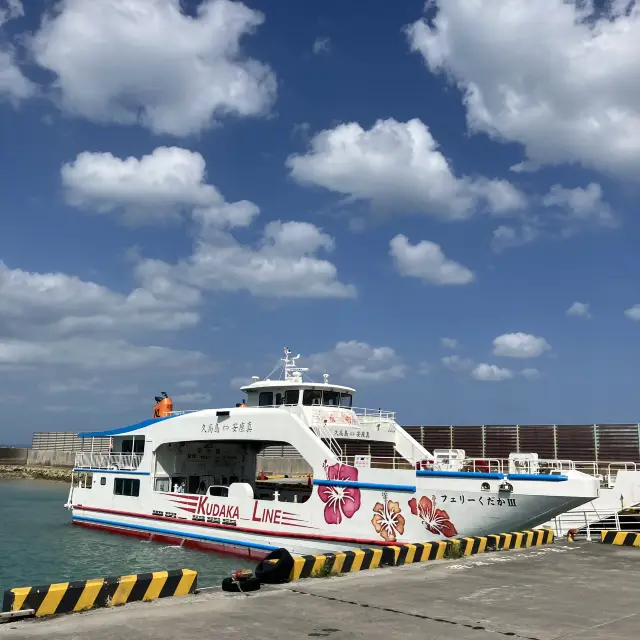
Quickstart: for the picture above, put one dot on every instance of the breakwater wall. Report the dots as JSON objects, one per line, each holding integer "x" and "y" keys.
{"x": 33, "y": 472}
{"x": 36, "y": 457}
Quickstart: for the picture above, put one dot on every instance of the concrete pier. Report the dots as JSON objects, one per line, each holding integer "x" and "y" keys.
{"x": 568, "y": 591}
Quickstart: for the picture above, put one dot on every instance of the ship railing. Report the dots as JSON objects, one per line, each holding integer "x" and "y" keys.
{"x": 324, "y": 433}
{"x": 378, "y": 462}
{"x": 489, "y": 465}
{"x": 588, "y": 523}
{"x": 474, "y": 465}
{"x": 181, "y": 413}
{"x": 117, "y": 461}
{"x": 373, "y": 415}
{"x": 606, "y": 472}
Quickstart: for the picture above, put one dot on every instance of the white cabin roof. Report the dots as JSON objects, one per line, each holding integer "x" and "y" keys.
{"x": 294, "y": 384}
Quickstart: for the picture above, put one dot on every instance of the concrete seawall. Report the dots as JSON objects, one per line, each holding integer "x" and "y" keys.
{"x": 13, "y": 455}
{"x": 51, "y": 458}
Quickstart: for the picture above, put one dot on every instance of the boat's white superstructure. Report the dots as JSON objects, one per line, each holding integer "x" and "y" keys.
{"x": 190, "y": 477}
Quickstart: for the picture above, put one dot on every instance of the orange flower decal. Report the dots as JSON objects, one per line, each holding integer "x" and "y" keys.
{"x": 388, "y": 521}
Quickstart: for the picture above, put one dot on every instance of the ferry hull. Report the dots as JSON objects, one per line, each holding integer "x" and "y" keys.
{"x": 240, "y": 540}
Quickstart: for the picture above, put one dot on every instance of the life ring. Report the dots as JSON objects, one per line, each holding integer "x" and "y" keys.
{"x": 233, "y": 586}
{"x": 275, "y": 568}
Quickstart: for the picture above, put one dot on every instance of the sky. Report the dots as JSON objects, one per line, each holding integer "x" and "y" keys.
{"x": 433, "y": 203}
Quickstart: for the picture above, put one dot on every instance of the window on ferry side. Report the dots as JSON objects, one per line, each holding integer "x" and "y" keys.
{"x": 265, "y": 399}
{"x": 346, "y": 399}
{"x": 331, "y": 398}
{"x": 292, "y": 396}
{"x": 311, "y": 396}
{"x": 163, "y": 484}
{"x": 126, "y": 487}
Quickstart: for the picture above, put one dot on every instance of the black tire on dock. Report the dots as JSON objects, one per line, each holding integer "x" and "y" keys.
{"x": 250, "y": 584}
{"x": 277, "y": 572}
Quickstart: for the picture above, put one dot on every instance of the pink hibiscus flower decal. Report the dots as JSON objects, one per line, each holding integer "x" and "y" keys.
{"x": 340, "y": 501}
{"x": 434, "y": 520}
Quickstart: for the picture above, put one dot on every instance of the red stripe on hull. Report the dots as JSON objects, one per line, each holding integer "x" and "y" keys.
{"x": 242, "y": 552}
{"x": 279, "y": 534}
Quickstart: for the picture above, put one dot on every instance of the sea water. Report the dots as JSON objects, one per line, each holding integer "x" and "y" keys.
{"x": 39, "y": 545}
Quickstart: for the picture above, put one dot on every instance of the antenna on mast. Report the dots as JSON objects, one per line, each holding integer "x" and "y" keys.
{"x": 291, "y": 372}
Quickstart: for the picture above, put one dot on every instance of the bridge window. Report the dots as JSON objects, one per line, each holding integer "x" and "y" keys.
{"x": 346, "y": 399}
{"x": 311, "y": 396}
{"x": 331, "y": 398}
{"x": 291, "y": 396}
{"x": 265, "y": 399}
{"x": 126, "y": 487}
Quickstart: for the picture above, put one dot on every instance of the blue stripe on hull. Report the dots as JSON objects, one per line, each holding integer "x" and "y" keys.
{"x": 177, "y": 534}
{"x": 366, "y": 485}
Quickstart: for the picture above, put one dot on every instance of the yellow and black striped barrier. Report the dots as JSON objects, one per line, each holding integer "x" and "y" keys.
{"x": 66, "y": 597}
{"x": 340, "y": 562}
{"x": 409, "y": 553}
{"x": 621, "y": 538}
{"x": 398, "y": 555}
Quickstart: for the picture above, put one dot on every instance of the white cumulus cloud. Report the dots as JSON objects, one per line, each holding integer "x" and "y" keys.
{"x": 354, "y": 361}
{"x": 558, "y": 77}
{"x": 55, "y": 319}
{"x": 14, "y": 85}
{"x": 509, "y": 236}
{"x": 520, "y": 345}
{"x": 148, "y": 62}
{"x": 450, "y": 343}
{"x": 633, "y": 313}
{"x": 579, "y": 309}
{"x": 285, "y": 262}
{"x": 581, "y": 206}
{"x": 458, "y": 363}
{"x": 321, "y": 45}
{"x": 397, "y": 166}
{"x": 491, "y": 373}
{"x": 152, "y": 189}
{"x": 427, "y": 261}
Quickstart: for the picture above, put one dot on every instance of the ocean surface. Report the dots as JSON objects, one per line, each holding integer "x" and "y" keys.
{"x": 39, "y": 545}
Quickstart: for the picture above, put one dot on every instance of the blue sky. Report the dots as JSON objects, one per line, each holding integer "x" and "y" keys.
{"x": 413, "y": 197}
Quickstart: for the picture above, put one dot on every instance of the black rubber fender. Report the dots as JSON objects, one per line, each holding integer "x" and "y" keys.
{"x": 277, "y": 572}
{"x": 250, "y": 584}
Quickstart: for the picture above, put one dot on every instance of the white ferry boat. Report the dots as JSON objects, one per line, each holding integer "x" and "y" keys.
{"x": 190, "y": 478}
